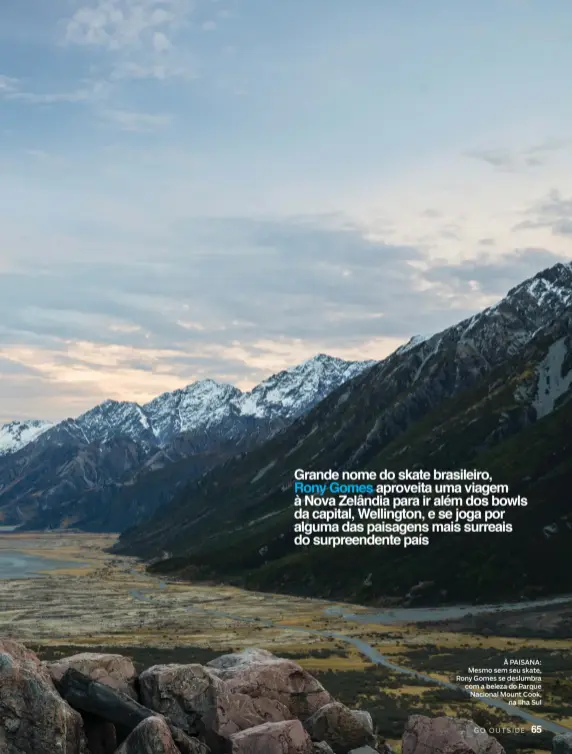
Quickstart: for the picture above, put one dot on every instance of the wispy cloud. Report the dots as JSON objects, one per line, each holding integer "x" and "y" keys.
{"x": 513, "y": 160}
{"x": 553, "y": 212}
{"x": 156, "y": 226}
{"x": 87, "y": 91}
{"x": 8, "y": 84}
{"x": 140, "y": 36}
{"x": 136, "y": 122}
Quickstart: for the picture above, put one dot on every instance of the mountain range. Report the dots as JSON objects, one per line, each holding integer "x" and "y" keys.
{"x": 200, "y": 480}
{"x": 492, "y": 392}
{"x": 113, "y": 464}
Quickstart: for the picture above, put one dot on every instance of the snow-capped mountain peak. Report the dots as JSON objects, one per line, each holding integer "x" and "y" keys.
{"x": 17, "y": 434}
{"x": 201, "y": 406}
{"x": 292, "y": 392}
{"x": 553, "y": 285}
{"x": 208, "y": 404}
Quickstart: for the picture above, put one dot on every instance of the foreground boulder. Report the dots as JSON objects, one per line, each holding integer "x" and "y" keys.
{"x": 260, "y": 674}
{"x": 185, "y": 693}
{"x": 250, "y": 702}
{"x": 342, "y": 728}
{"x": 19, "y": 652}
{"x": 436, "y": 735}
{"x": 113, "y": 706}
{"x": 152, "y": 736}
{"x": 562, "y": 744}
{"x": 243, "y": 659}
{"x": 113, "y": 670}
{"x": 288, "y": 737}
{"x": 34, "y": 719}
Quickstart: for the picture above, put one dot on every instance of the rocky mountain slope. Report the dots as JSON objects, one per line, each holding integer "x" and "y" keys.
{"x": 109, "y": 467}
{"x": 491, "y": 392}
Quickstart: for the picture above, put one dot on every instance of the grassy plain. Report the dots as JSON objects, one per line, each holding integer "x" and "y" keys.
{"x": 109, "y": 602}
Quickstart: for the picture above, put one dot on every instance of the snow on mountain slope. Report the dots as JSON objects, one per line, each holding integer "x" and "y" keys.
{"x": 17, "y": 434}
{"x": 292, "y": 392}
{"x": 110, "y": 418}
{"x": 285, "y": 395}
{"x": 200, "y": 406}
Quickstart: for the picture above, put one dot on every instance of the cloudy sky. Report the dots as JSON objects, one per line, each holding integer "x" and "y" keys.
{"x": 223, "y": 188}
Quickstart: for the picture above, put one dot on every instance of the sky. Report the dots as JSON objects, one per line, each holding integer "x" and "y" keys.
{"x": 225, "y": 188}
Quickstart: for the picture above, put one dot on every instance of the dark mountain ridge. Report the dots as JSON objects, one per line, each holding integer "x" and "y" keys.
{"x": 477, "y": 393}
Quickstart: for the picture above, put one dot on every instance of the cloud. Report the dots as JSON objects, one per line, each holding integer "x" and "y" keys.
{"x": 554, "y": 212}
{"x": 105, "y": 236}
{"x": 87, "y": 92}
{"x": 8, "y": 84}
{"x": 502, "y": 159}
{"x": 514, "y": 160}
{"x": 50, "y": 98}
{"x": 238, "y": 300}
{"x": 493, "y": 276}
{"x": 125, "y": 24}
{"x": 139, "y": 36}
{"x": 136, "y": 122}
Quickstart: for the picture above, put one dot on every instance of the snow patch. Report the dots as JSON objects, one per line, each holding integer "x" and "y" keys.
{"x": 551, "y": 384}
{"x": 262, "y": 472}
{"x": 416, "y": 340}
{"x": 17, "y": 434}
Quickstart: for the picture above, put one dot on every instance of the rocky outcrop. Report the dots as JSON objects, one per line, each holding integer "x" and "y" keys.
{"x": 447, "y": 735}
{"x": 113, "y": 670}
{"x": 239, "y": 660}
{"x": 34, "y": 719}
{"x": 340, "y": 727}
{"x": 249, "y": 702}
{"x": 288, "y": 737}
{"x": 183, "y": 692}
{"x": 263, "y": 675}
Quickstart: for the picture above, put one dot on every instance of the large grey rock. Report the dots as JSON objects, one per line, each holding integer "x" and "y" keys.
{"x": 152, "y": 736}
{"x": 340, "y": 727}
{"x": 437, "y": 735}
{"x": 242, "y": 659}
{"x": 113, "y": 670}
{"x": 273, "y": 738}
{"x": 562, "y": 743}
{"x": 34, "y": 719}
{"x": 184, "y": 692}
{"x": 259, "y": 674}
{"x": 365, "y": 717}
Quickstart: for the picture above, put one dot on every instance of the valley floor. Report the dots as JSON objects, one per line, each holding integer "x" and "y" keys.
{"x": 111, "y": 602}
